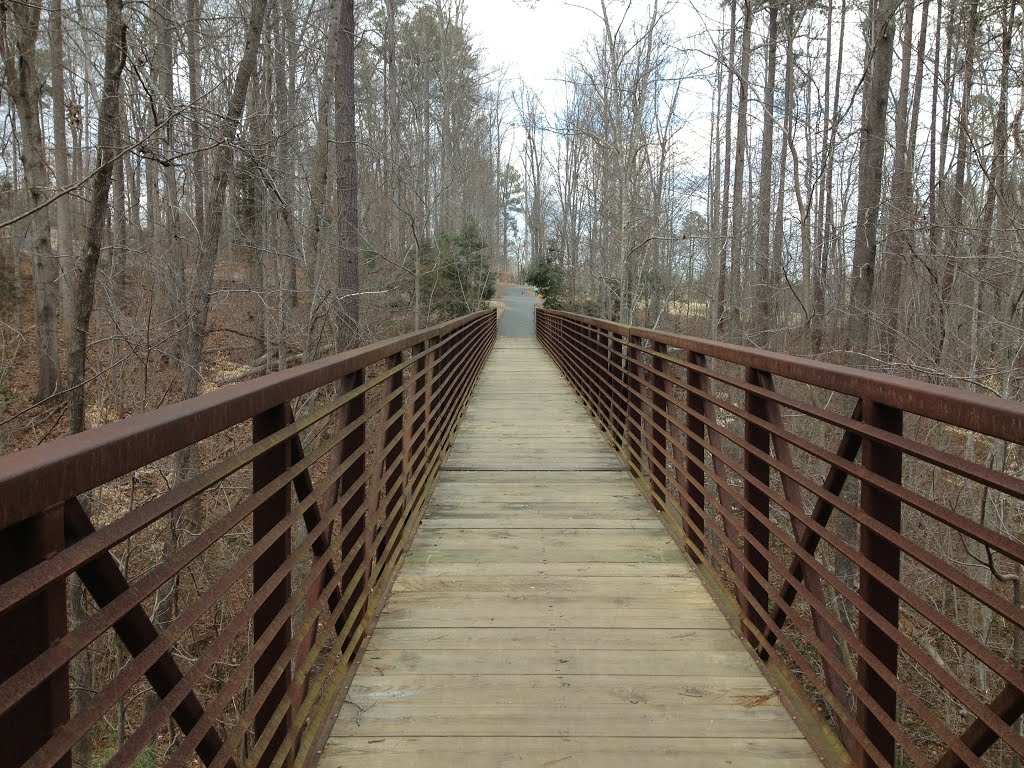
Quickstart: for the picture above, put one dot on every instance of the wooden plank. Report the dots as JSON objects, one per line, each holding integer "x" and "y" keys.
{"x": 537, "y": 690}
{"x": 631, "y": 509}
{"x": 647, "y": 588}
{"x": 624, "y": 720}
{"x": 730, "y": 663}
{"x": 566, "y": 752}
{"x": 583, "y": 570}
{"x": 488, "y": 522}
{"x": 581, "y": 615}
{"x": 471, "y": 538}
{"x": 535, "y": 638}
{"x": 541, "y": 554}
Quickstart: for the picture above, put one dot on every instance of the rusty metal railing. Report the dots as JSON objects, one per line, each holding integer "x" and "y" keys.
{"x": 868, "y": 529}
{"x": 226, "y": 609}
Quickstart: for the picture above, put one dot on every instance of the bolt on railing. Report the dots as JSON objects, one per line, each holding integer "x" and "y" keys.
{"x": 886, "y": 590}
{"x": 242, "y": 595}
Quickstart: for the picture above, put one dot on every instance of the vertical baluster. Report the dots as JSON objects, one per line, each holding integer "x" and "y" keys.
{"x": 37, "y": 624}
{"x": 611, "y": 381}
{"x": 432, "y": 358}
{"x": 354, "y": 478}
{"x": 594, "y": 366}
{"x": 755, "y": 563}
{"x": 658, "y": 434}
{"x": 265, "y": 469}
{"x": 632, "y": 384}
{"x": 415, "y": 418}
{"x": 884, "y": 507}
{"x": 693, "y": 503}
{"x": 391, "y": 479}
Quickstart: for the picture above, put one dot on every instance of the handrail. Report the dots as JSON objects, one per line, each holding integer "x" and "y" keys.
{"x": 265, "y": 569}
{"x": 36, "y": 478}
{"x": 897, "y": 616}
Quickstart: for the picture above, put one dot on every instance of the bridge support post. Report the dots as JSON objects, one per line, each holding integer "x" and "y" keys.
{"x": 596, "y": 363}
{"x": 37, "y": 624}
{"x": 391, "y": 506}
{"x": 415, "y": 418}
{"x": 887, "y": 462}
{"x": 617, "y": 368}
{"x": 693, "y": 463}
{"x": 633, "y": 383}
{"x": 658, "y": 432}
{"x": 265, "y": 469}
{"x": 353, "y": 485}
{"x": 756, "y": 564}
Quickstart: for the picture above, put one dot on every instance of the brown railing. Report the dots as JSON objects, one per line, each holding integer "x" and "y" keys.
{"x": 869, "y": 528}
{"x": 230, "y": 588}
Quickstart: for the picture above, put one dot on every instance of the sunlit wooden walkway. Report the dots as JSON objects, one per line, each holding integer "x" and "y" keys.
{"x": 544, "y": 618}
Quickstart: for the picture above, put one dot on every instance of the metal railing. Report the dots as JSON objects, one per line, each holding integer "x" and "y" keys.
{"x": 235, "y": 600}
{"x": 867, "y": 528}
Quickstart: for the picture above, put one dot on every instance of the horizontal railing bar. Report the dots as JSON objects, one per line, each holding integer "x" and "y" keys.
{"x": 39, "y": 477}
{"x": 1003, "y": 544}
{"x": 64, "y": 562}
{"x": 990, "y": 598}
{"x": 996, "y": 602}
{"x": 999, "y": 481}
{"x": 44, "y": 665}
{"x": 993, "y": 416}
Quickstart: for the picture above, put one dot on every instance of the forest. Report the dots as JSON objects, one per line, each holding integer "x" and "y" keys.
{"x": 194, "y": 193}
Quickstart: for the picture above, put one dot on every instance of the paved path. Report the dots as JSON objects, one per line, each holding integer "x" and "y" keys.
{"x": 517, "y": 319}
{"x": 543, "y": 617}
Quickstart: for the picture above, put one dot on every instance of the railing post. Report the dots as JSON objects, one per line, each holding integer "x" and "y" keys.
{"x": 415, "y": 417}
{"x": 693, "y": 503}
{"x": 37, "y": 624}
{"x": 886, "y": 461}
{"x": 634, "y": 406}
{"x": 755, "y": 563}
{"x": 265, "y": 469}
{"x": 596, "y": 372}
{"x": 352, "y": 444}
{"x": 389, "y": 510}
{"x": 658, "y": 434}
{"x": 432, "y": 358}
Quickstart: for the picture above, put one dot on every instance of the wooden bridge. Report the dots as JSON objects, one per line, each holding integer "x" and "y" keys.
{"x": 604, "y": 546}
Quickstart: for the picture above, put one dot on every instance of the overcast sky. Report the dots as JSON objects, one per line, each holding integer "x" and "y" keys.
{"x": 532, "y": 42}
{"x": 534, "y": 39}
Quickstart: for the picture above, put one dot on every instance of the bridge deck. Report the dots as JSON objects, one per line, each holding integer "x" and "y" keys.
{"x": 543, "y": 616}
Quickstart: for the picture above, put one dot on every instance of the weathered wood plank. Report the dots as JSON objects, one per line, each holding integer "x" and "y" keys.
{"x": 582, "y": 690}
{"x": 624, "y": 720}
{"x": 735, "y": 662}
{"x": 567, "y": 752}
{"x": 536, "y": 638}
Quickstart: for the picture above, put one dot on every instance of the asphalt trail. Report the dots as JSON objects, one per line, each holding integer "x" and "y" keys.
{"x": 517, "y": 319}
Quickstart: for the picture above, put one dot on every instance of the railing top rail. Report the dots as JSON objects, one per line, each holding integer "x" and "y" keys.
{"x": 48, "y": 474}
{"x": 994, "y": 416}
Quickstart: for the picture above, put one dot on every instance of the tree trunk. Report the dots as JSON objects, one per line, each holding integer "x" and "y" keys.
{"x": 878, "y": 68}
{"x": 65, "y": 243}
{"x": 718, "y": 325}
{"x": 735, "y": 250}
{"x": 347, "y": 318}
{"x": 85, "y": 278}
{"x": 25, "y": 89}
{"x": 762, "y": 243}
